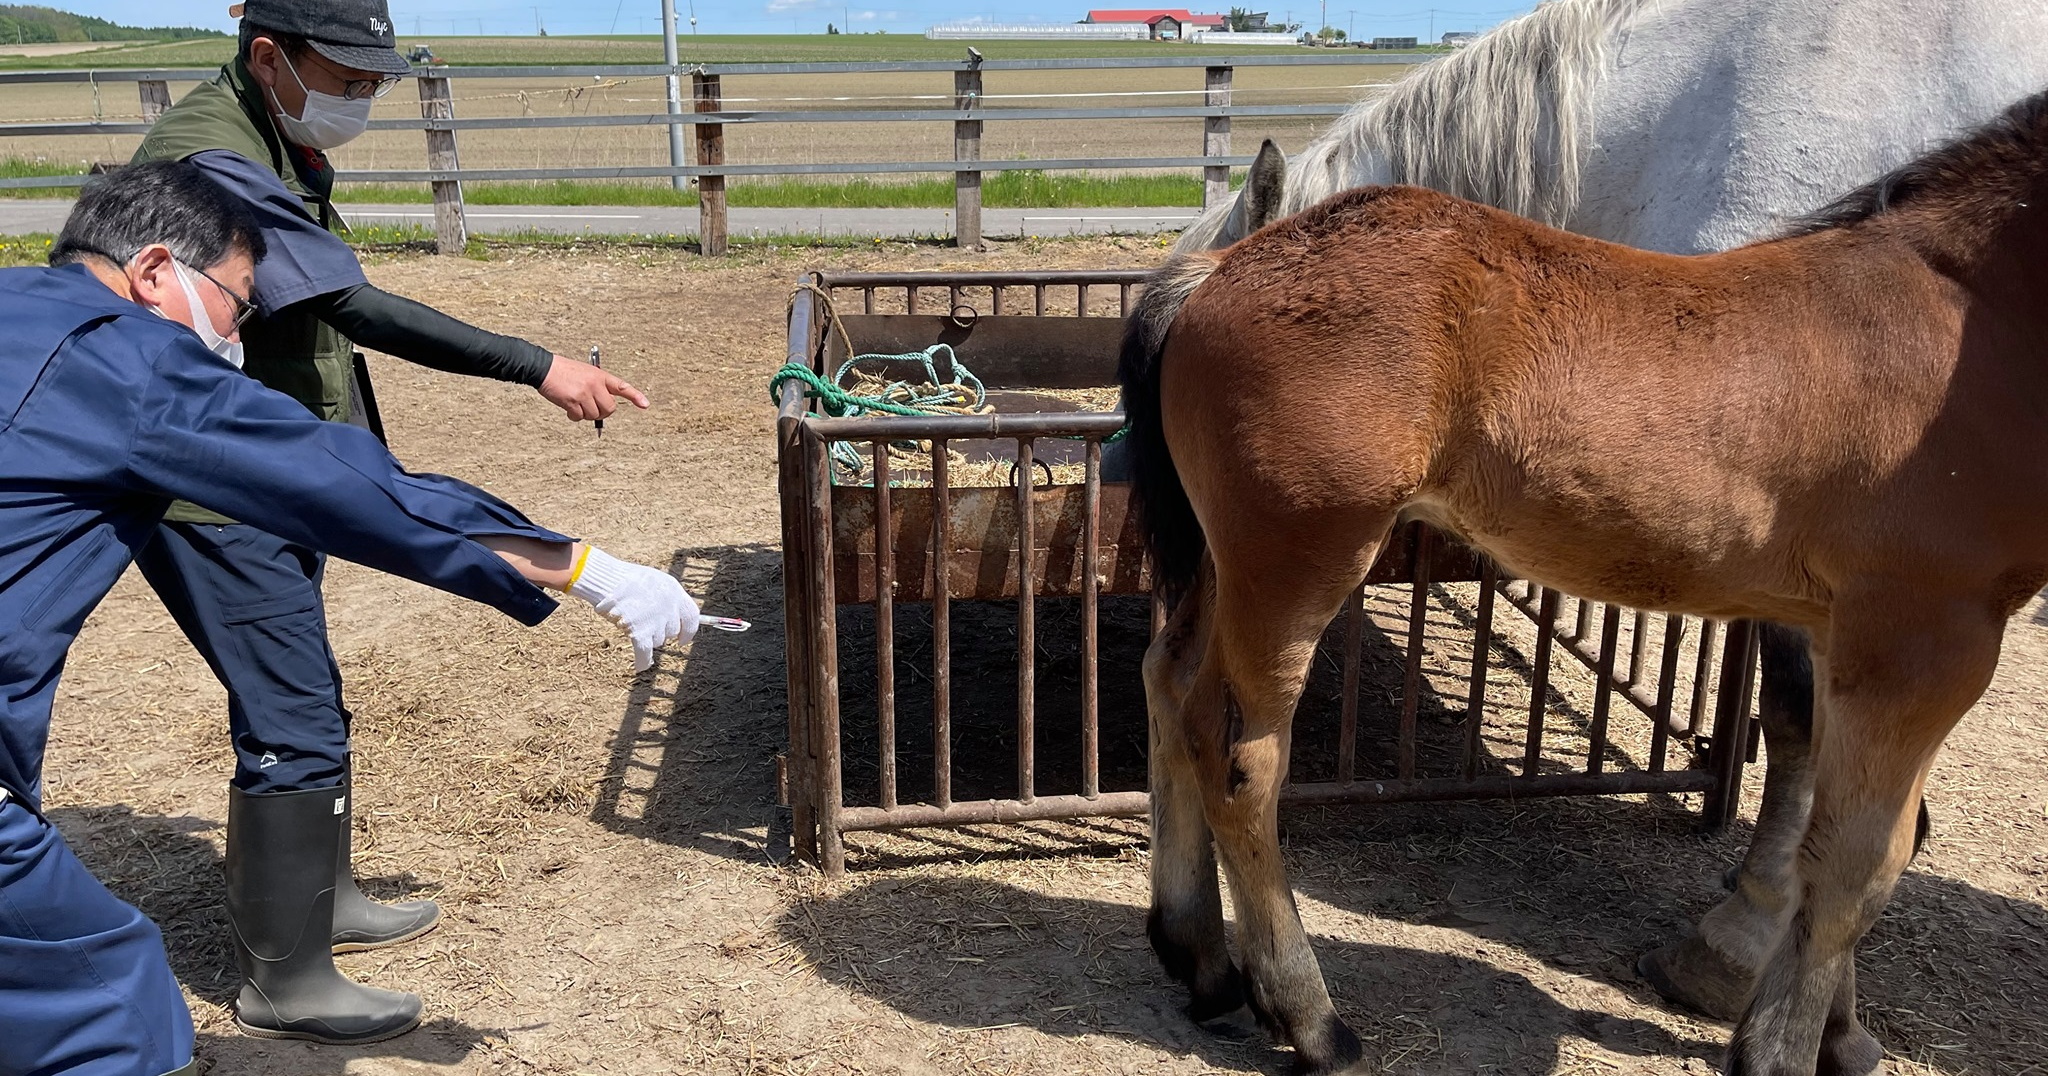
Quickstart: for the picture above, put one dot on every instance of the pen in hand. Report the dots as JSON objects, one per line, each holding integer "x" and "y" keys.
{"x": 599, "y": 363}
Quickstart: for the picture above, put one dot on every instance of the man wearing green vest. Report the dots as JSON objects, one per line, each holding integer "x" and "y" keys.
{"x": 303, "y": 82}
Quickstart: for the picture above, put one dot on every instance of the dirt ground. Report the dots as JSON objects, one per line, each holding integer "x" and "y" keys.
{"x": 599, "y": 842}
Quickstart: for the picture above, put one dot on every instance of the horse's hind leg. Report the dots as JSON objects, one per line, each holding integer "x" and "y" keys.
{"x": 1715, "y": 970}
{"x": 1186, "y": 921}
{"x": 1891, "y": 689}
{"x": 1239, "y": 714}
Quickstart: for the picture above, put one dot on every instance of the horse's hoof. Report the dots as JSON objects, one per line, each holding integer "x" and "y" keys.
{"x": 1334, "y": 1050}
{"x": 1220, "y": 1002}
{"x": 1853, "y": 1052}
{"x": 1237, "y": 1025}
{"x": 1692, "y": 973}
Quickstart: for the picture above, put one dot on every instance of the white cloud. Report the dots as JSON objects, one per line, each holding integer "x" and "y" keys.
{"x": 784, "y": 7}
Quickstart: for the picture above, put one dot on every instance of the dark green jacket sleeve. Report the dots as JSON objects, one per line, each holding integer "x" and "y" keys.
{"x": 415, "y": 332}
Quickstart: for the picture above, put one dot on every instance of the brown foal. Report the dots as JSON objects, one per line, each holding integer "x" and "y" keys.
{"x": 1843, "y": 430}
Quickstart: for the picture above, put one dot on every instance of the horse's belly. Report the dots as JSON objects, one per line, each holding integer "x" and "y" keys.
{"x": 1713, "y": 557}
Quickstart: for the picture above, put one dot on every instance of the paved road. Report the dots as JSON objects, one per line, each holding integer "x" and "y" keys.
{"x": 18, "y": 215}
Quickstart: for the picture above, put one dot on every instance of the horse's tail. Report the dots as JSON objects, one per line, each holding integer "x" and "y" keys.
{"x": 1172, "y": 533}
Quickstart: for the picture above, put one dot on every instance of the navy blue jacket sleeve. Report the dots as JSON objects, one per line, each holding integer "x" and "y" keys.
{"x": 209, "y": 435}
{"x": 304, "y": 259}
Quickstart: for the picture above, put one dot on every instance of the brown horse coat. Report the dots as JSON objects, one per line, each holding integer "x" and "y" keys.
{"x": 1845, "y": 429}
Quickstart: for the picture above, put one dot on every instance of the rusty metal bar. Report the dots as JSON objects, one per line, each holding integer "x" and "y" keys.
{"x": 1027, "y": 627}
{"x": 1667, "y": 688}
{"x": 1731, "y": 724}
{"x": 867, "y": 301}
{"x": 1539, "y": 690}
{"x": 1590, "y": 658}
{"x": 1482, "y": 642}
{"x": 910, "y": 298}
{"x": 1418, "y": 624}
{"x": 925, "y": 427}
{"x": 1581, "y": 620}
{"x": 825, "y": 616}
{"x": 1354, "y": 659}
{"x": 1696, "y": 715}
{"x": 1635, "y": 648}
{"x": 1091, "y": 572}
{"x": 885, "y": 626}
{"x": 798, "y": 599}
{"x": 1038, "y": 300}
{"x": 995, "y": 302}
{"x": 1603, "y": 687}
{"x": 942, "y": 633}
{"x": 1033, "y": 277}
{"x": 1423, "y": 790}
{"x": 953, "y": 298}
{"x": 1123, "y": 300}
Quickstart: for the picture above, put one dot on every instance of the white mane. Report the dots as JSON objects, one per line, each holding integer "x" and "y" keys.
{"x": 1500, "y": 122}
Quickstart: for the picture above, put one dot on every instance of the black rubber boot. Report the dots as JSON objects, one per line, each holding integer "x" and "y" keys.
{"x": 362, "y": 923}
{"x": 280, "y": 867}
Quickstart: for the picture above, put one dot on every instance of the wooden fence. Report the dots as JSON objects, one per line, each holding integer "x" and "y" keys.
{"x": 709, "y": 117}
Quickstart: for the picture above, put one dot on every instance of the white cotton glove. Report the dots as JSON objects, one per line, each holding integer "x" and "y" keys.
{"x": 647, "y": 602}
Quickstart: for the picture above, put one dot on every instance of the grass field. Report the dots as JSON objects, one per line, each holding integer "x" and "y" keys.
{"x": 1000, "y": 190}
{"x": 646, "y": 49}
{"x": 640, "y": 145}
{"x": 819, "y": 143}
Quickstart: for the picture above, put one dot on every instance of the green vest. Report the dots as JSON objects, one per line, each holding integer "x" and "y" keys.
{"x": 295, "y": 353}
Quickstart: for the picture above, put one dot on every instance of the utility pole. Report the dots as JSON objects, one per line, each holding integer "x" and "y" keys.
{"x": 1432, "y": 26}
{"x": 1326, "y": 19}
{"x": 539, "y": 30}
{"x": 1351, "y": 26}
{"x": 675, "y": 91}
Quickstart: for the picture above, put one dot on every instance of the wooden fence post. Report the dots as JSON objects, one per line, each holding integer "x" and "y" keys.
{"x": 967, "y": 147}
{"x": 711, "y": 223}
{"x": 156, "y": 98}
{"x": 451, "y": 231}
{"x": 1216, "y": 137}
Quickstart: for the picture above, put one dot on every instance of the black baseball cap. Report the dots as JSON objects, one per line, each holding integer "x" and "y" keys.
{"x": 352, "y": 33}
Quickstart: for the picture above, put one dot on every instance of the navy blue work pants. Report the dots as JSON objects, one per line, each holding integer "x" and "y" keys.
{"x": 250, "y": 602}
{"x": 85, "y": 989}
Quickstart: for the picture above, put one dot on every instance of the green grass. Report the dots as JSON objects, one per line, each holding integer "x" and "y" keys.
{"x": 30, "y": 249}
{"x": 31, "y": 168}
{"x": 1028, "y": 189}
{"x": 641, "y": 49}
{"x": 999, "y": 190}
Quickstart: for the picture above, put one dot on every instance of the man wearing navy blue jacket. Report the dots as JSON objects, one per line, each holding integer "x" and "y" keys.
{"x": 119, "y": 394}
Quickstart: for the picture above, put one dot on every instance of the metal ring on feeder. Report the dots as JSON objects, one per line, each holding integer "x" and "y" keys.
{"x": 1038, "y": 464}
{"x": 967, "y": 321}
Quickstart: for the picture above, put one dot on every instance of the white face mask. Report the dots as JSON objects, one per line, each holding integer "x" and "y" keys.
{"x": 202, "y": 322}
{"x": 327, "y": 121}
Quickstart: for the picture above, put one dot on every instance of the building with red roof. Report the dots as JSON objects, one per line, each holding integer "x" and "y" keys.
{"x": 1163, "y": 24}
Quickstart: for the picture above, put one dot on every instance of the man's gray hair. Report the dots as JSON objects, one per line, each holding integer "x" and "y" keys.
{"x": 168, "y": 202}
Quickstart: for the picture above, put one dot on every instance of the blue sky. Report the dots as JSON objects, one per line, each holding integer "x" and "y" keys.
{"x": 1366, "y": 18}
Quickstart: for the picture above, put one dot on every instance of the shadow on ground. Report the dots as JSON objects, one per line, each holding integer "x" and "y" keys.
{"x": 1952, "y": 976}
{"x": 968, "y": 954}
{"x": 167, "y": 866}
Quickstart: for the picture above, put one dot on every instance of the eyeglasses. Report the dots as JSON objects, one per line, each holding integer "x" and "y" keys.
{"x": 354, "y": 89}
{"x": 244, "y": 309}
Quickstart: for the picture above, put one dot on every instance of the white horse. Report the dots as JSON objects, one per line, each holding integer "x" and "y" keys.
{"x": 1685, "y": 126}
{"x": 1678, "y": 125}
